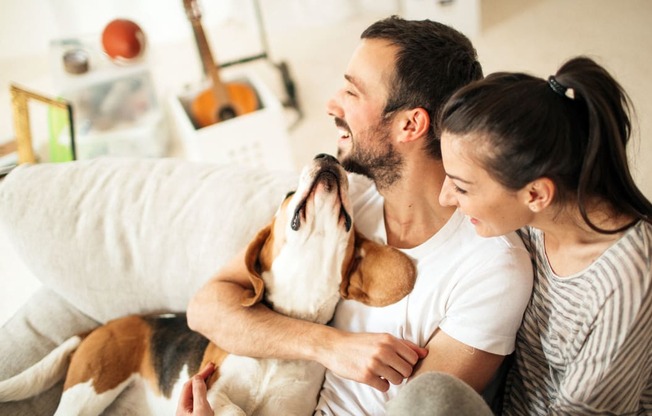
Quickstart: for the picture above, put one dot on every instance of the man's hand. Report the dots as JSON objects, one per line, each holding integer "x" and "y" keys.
{"x": 373, "y": 359}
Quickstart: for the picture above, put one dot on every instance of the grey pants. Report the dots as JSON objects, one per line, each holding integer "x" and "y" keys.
{"x": 437, "y": 394}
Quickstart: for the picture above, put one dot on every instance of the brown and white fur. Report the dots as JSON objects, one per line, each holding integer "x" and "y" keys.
{"x": 300, "y": 265}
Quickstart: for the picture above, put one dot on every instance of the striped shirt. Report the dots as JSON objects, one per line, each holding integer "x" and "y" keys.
{"x": 585, "y": 345}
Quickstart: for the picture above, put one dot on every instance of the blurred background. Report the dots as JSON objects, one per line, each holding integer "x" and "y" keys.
{"x": 294, "y": 52}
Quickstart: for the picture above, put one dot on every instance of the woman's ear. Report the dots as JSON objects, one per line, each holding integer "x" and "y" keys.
{"x": 414, "y": 123}
{"x": 539, "y": 194}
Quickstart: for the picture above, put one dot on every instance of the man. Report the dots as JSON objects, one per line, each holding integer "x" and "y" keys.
{"x": 470, "y": 293}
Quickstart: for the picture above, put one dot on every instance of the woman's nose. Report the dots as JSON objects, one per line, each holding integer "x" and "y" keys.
{"x": 447, "y": 195}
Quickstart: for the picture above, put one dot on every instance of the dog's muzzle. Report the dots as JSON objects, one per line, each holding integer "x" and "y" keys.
{"x": 330, "y": 176}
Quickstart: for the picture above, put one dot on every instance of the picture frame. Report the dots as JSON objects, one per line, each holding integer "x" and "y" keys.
{"x": 24, "y": 143}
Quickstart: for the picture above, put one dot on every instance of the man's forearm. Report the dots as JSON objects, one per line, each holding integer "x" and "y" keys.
{"x": 373, "y": 359}
{"x": 216, "y": 312}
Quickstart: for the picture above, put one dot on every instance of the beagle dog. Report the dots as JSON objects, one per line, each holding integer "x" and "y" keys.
{"x": 299, "y": 265}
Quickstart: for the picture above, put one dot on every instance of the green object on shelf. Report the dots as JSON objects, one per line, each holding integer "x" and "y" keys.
{"x": 60, "y": 141}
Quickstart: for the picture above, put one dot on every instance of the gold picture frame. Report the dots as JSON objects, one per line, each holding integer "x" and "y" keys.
{"x": 20, "y": 98}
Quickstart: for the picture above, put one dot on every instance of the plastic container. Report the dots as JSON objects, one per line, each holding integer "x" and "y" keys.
{"x": 115, "y": 108}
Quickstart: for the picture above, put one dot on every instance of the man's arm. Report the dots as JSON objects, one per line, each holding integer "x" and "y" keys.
{"x": 216, "y": 312}
{"x": 448, "y": 355}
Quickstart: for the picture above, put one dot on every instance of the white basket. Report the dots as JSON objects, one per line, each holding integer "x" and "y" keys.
{"x": 256, "y": 139}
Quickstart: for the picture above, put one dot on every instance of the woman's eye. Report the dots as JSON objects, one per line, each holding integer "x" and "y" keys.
{"x": 459, "y": 190}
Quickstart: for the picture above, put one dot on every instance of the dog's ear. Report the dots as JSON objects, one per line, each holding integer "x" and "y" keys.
{"x": 376, "y": 274}
{"x": 255, "y": 264}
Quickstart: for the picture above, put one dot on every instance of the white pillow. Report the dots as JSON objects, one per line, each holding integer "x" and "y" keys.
{"x": 120, "y": 236}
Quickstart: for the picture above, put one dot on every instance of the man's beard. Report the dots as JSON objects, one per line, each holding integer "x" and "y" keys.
{"x": 380, "y": 163}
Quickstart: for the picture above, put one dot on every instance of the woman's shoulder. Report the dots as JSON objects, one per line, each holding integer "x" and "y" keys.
{"x": 625, "y": 269}
{"x": 637, "y": 241}
{"x": 634, "y": 248}
{"x": 643, "y": 228}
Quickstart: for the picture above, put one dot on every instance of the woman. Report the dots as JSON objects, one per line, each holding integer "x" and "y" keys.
{"x": 548, "y": 157}
{"x": 194, "y": 400}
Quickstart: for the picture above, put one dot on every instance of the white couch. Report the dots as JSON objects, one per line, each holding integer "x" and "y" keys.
{"x": 110, "y": 237}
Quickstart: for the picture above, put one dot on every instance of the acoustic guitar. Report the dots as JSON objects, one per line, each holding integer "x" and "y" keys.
{"x": 222, "y": 101}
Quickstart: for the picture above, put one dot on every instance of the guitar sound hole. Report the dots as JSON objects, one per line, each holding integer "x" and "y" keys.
{"x": 226, "y": 113}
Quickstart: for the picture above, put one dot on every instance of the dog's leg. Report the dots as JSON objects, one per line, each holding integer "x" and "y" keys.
{"x": 222, "y": 406}
{"x": 105, "y": 364}
{"x": 293, "y": 386}
{"x": 82, "y": 399}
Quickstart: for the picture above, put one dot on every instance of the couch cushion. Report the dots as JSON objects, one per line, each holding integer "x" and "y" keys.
{"x": 120, "y": 236}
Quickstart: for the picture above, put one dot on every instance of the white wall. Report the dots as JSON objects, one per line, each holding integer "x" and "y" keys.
{"x": 27, "y": 26}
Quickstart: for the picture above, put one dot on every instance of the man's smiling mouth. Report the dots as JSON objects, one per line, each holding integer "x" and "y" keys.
{"x": 343, "y": 128}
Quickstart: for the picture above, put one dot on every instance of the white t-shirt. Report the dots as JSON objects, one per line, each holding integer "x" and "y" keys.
{"x": 475, "y": 289}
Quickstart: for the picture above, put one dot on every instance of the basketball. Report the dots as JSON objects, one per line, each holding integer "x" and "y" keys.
{"x": 123, "y": 40}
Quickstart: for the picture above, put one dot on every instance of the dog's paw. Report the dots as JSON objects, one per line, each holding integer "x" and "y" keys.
{"x": 223, "y": 406}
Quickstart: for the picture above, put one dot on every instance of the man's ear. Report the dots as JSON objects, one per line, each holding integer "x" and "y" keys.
{"x": 256, "y": 262}
{"x": 376, "y": 274}
{"x": 414, "y": 123}
{"x": 539, "y": 194}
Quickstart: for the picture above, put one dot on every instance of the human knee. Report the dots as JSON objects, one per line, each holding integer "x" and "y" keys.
{"x": 437, "y": 394}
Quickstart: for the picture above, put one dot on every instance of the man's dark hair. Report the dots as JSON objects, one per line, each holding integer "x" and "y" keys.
{"x": 432, "y": 62}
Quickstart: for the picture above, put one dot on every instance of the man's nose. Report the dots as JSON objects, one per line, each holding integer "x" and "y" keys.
{"x": 333, "y": 108}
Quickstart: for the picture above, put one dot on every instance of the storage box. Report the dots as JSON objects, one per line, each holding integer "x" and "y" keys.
{"x": 116, "y": 109}
{"x": 258, "y": 138}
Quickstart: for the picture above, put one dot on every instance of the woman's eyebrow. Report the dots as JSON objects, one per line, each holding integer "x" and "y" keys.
{"x": 457, "y": 178}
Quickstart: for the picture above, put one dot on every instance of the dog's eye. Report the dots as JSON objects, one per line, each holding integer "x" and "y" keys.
{"x": 289, "y": 194}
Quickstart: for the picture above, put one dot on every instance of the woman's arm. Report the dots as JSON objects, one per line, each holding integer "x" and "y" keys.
{"x": 613, "y": 369}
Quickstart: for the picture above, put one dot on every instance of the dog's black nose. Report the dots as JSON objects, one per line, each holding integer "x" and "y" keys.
{"x": 327, "y": 157}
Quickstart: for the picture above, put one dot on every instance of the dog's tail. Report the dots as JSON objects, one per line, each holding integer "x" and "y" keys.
{"x": 41, "y": 376}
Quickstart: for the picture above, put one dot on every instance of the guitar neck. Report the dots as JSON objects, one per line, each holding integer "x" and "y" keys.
{"x": 208, "y": 63}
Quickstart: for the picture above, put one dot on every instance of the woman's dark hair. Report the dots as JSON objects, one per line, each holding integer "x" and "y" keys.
{"x": 432, "y": 62}
{"x": 573, "y": 129}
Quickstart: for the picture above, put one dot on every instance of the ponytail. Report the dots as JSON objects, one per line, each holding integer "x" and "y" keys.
{"x": 605, "y": 169}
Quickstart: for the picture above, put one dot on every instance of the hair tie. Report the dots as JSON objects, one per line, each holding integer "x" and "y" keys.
{"x": 560, "y": 89}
